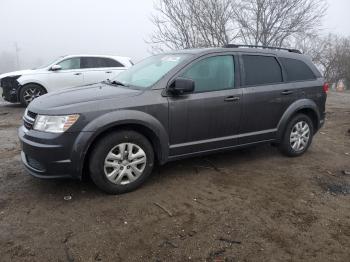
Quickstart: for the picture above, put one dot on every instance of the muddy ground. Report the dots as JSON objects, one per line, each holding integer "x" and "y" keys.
{"x": 248, "y": 205}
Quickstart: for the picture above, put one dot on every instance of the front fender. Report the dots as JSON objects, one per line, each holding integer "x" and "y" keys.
{"x": 114, "y": 119}
{"x": 292, "y": 109}
{"x": 27, "y": 79}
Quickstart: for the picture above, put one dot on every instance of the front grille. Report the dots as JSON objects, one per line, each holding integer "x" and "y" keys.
{"x": 27, "y": 125}
{"x": 29, "y": 119}
{"x": 32, "y": 114}
{"x": 8, "y": 82}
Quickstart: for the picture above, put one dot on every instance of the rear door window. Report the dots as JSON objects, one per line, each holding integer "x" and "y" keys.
{"x": 108, "y": 62}
{"x": 261, "y": 70}
{"x": 297, "y": 70}
{"x": 89, "y": 62}
{"x": 99, "y": 62}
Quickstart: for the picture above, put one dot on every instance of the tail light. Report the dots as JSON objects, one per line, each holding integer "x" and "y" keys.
{"x": 325, "y": 87}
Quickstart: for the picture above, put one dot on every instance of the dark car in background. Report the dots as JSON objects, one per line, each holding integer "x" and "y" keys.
{"x": 172, "y": 106}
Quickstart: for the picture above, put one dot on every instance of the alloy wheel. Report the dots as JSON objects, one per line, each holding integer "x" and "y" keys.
{"x": 31, "y": 93}
{"x": 125, "y": 163}
{"x": 300, "y": 136}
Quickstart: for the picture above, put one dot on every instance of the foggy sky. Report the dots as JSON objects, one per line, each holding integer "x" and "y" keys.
{"x": 46, "y": 29}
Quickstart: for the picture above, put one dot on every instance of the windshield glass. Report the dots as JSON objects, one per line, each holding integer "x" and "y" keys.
{"x": 149, "y": 71}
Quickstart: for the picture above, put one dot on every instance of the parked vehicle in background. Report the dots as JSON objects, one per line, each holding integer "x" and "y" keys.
{"x": 68, "y": 71}
{"x": 173, "y": 106}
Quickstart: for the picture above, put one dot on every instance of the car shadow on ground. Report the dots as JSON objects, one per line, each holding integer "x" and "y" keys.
{"x": 189, "y": 168}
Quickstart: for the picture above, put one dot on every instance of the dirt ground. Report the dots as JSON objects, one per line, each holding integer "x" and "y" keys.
{"x": 247, "y": 205}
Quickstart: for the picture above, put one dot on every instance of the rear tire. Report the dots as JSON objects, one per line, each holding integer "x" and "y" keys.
{"x": 298, "y": 136}
{"x": 30, "y": 92}
{"x": 121, "y": 162}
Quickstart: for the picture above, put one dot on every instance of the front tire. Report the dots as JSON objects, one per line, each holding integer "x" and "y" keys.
{"x": 298, "y": 136}
{"x": 121, "y": 162}
{"x": 29, "y": 93}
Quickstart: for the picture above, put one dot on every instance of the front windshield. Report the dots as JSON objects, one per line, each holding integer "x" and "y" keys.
{"x": 149, "y": 71}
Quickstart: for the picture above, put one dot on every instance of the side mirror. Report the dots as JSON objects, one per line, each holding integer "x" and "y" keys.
{"x": 182, "y": 86}
{"x": 56, "y": 68}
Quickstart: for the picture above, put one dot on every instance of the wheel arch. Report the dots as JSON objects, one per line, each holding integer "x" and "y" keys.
{"x": 26, "y": 84}
{"x": 152, "y": 130}
{"x": 304, "y": 106}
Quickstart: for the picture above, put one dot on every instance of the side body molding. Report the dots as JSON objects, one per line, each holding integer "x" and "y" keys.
{"x": 113, "y": 120}
{"x": 292, "y": 109}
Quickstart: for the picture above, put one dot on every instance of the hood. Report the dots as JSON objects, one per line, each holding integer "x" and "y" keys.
{"x": 17, "y": 73}
{"x": 73, "y": 97}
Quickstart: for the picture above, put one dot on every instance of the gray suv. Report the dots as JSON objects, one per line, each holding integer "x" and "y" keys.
{"x": 172, "y": 106}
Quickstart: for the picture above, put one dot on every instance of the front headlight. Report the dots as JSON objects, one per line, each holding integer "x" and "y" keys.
{"x": 54, "y": 124}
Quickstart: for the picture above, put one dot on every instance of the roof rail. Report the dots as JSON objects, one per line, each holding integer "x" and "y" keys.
{"x": 263, "y": 47}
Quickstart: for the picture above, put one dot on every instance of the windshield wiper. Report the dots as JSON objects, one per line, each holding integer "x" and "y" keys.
{"x": 114, "y": 82}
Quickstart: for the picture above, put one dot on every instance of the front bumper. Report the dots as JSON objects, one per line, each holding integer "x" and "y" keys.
{"x": 10, "y": 95}
{"x": 47, "y": 155}
{"x": 10, "y": 88}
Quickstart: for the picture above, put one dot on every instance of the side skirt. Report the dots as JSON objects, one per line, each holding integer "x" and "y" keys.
{"x": 216, "y": 150}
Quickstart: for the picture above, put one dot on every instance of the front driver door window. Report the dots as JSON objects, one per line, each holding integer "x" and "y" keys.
{"x": 212, "y": 74}
{"x": 209, "y": 117}
{"x": 70, "y": 64}
{"x": 70, "y": 75}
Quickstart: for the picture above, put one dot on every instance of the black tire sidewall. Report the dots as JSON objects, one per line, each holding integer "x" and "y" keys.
{"x": 103, "y": 147}
{"x": 285, "y": 146}
{"x": 24, "y": 88}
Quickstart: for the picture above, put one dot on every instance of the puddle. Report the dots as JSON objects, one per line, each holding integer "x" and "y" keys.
{"x": 338, "y": 189}
{"x": 336, "y": 186}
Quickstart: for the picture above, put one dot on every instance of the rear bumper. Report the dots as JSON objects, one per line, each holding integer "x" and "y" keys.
{"x": 322, "y": 121}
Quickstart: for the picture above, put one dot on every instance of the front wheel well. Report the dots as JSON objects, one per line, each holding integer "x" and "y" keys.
{"x": 145, "y": 131}
{"x": 31, "y": 83}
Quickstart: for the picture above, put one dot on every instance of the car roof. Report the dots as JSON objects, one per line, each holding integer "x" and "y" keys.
{"x": 93, "y": 55}
{"x": 204, "y": 51}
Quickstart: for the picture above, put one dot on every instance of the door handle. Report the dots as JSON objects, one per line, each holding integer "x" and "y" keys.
{"x": 287, "y": 92}
{"x": 232, "y": 99}
{"x": 109, "y": 72}
{"x": 77, "y": 74}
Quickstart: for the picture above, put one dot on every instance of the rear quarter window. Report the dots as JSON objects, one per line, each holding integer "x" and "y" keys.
{"x": 261, "y": 70}
{"x": 297, "y": 70}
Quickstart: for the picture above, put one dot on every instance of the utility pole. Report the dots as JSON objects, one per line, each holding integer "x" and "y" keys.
{"x": 17, "y": 54}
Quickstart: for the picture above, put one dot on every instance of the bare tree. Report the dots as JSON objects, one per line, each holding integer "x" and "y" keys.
{"x": 277, "y": 22}
{"x": 204, "y": 23}
{"x": 336, "y": 59}
{"x": 192, "y": 23}
{"x": 331, "y": 54}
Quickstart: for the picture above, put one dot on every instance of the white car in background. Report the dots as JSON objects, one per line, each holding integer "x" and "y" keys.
{"x": 68, "y": 71}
